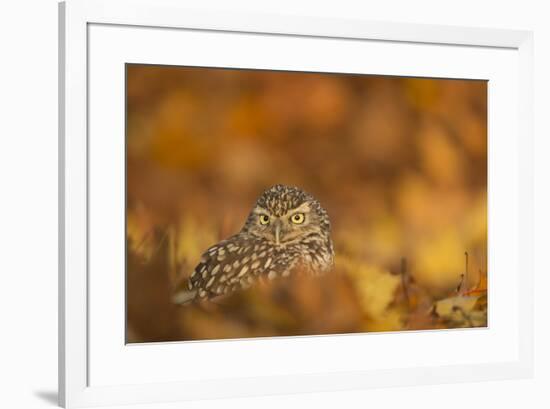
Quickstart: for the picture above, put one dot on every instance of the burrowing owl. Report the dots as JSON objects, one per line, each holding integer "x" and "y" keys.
{"x": 286, "y": 231}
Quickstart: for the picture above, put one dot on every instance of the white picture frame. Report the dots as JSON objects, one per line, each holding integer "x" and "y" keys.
{"x": 90, "y": 379}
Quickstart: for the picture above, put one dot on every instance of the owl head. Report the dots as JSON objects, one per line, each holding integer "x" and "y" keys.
{"x": 285, "y": 215}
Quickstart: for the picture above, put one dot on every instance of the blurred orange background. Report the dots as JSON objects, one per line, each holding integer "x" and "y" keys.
{"x": 400, "y": 164}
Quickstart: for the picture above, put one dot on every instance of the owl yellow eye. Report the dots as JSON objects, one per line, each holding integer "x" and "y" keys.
{"x": 264, "y": 219}
{"x": 298, "y": 218}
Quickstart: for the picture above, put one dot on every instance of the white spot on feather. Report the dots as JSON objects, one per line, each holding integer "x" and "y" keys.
{"x": 243, "y": 271}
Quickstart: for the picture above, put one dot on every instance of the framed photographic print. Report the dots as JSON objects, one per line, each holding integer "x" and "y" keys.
{"x": 301, "y": 204}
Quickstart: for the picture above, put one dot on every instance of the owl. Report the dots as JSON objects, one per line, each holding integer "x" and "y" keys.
{"x": 287, "y": 231}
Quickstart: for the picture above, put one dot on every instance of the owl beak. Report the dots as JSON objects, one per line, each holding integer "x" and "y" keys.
{"x": 277, "y": 233}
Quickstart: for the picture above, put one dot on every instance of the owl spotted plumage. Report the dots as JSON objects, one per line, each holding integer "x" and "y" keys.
{"x": 287, "y": 231}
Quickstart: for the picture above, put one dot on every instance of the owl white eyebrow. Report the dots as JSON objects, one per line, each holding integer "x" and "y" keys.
{"x": 303, "y": 208}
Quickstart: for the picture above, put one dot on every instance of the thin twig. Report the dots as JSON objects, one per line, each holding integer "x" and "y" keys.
{"x": 462, "y": 286}
{"x": 142, "y": 241}
{"x": 466, "y": 270}
{"x": 158, "y": 247}
{"x": 459, "y": 286}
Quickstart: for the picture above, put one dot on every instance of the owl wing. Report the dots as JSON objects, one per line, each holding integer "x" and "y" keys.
{"x": 232, "y": 264}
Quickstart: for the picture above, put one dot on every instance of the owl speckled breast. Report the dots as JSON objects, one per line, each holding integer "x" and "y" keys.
{"x": 287, "y": 231}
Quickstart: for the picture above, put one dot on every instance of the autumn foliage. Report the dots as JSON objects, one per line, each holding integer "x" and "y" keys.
{"x": 400, "y": 164}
